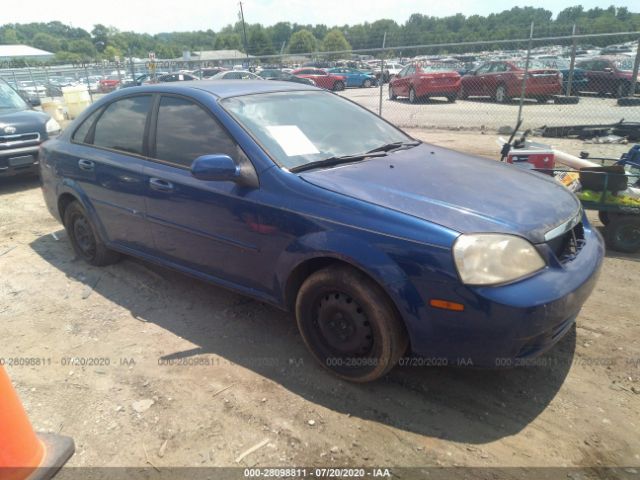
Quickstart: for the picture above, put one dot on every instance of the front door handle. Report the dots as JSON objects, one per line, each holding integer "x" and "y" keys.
{"x": 86, "y": 164}
{"x": 160, "y": 185}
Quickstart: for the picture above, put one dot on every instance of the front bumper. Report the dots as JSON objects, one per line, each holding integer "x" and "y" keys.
{"x": 504, "y": 325}
{"x": 18, "y": 161}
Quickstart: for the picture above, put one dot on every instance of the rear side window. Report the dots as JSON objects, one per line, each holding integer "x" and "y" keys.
{"x": 185, "y": 131}
{"x": 121, "y": 126}
{"x": 80, "y": 135}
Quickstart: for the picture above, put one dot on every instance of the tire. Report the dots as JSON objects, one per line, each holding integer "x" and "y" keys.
{"x": 84, "y": 238}
{"x": 462, "y": 94}
{"x": 367, "y": 83}
{"x": 452, "y": 98}
{"x": 622, "y": 90}
{"x": 392, "y": 95}
{"x": 338, "y": 86}
{"x": 413, "y": 98}
{"x": 344, "y": 315}
{"x": 603, "y": 215}
{"x": 622, "y": 233}
{"x": 500, "y": 95}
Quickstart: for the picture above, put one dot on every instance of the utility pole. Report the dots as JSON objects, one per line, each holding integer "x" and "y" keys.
{"x": 244, "y": 33}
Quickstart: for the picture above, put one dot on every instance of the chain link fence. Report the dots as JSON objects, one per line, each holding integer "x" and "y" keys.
{"x": 557, "y": 85}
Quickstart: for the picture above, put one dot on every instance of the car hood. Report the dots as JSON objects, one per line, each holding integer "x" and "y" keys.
{"x": 24, "y": 121}
{"x": 458, "y": 191}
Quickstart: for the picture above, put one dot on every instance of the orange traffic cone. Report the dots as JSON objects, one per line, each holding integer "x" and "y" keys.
{"x": 23, "y": 453}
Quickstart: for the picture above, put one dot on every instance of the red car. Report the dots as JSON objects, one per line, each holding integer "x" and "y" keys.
{"x": 330, "y": 81}
{"x": 502, "y": 80}
{"x": 416, "y": 82}
{"x": 109, "y": 84}
{"x": 608, "y": 75}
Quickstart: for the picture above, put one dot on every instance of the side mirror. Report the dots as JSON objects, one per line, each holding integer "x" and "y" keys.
{"x": 215, "y": 167}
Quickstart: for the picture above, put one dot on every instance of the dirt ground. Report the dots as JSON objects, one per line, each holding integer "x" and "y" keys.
{"x": 142, "y": 365}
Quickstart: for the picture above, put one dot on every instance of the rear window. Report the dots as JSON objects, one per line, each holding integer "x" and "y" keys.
{"x": 121, "y": 126}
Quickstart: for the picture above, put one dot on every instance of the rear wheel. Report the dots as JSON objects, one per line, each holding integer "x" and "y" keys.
{"x": 622, "y": 233}
{"x": 392, "y": 94}
{"x": 622, "y": 90}
{"x": 84, "y": 239}
{"x": 338, "y": 86}
{"x": 500, "y": 96}
{"x": 349, "y": 324}
{"x": 451, "y": 98}
{"x": 462, "y": 94}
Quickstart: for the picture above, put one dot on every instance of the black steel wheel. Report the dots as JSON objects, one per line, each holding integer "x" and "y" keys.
{"x": 622, "y": 233}
{"x": 84, "y": 239}
{"x": 349, "y": 324}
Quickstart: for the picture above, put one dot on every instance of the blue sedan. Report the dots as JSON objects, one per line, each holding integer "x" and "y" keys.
{"x": 355, "y": 77}
{"x": 380, "y": 244}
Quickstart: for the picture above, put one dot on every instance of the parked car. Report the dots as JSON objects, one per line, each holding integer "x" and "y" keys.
{"x": 208, "y": 72}
{"x": 419, "y": 82}
{"x": 609, "y": 75}
{"x": 110, "y": 83}
{"x": 502, "y": 80}
{"x": 22, "y": 131}
{"x": 580, "y": 80}
{"x": 322, "y": 78}
{"x": 31, "y": 89}
{"x": 176, "y": 77}
{"x": 390, "y": 71}
{"x": 275, "y": 74}
{"x": 355, "y": 77}
{"x": 236, "y": 75}
{"x": 376, "y": 241}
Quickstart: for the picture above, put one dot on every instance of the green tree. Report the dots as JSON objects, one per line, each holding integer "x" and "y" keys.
{"x": 100, "y": 37}
{"x": 83, "y": 48}
{"x": 302, "y": 41}
{"x": 334, "y": 41}
{"x": 47, "y": 42}
{"x": 260, "y": 43}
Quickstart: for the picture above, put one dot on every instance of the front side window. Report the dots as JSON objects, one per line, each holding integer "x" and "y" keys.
{"x": 296, "y": 128}
{"x": 121, "y": 126}
{"x": 185, "y": 131}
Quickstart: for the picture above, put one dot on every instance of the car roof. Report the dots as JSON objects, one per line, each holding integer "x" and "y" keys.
{"x": 227, "y": 88}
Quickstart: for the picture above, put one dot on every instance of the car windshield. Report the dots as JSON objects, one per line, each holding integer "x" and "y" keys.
{"x": 624, "y": 64}
{"x": 533, "y": 64}
{"x": 9, "y": 99}
{"x": 296, "y": 128}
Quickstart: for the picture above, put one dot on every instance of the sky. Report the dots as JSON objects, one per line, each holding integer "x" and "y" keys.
{"x": 186, "y": 15}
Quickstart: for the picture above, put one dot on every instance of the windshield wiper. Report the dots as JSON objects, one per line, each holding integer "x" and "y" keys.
{"x": 332, "y": 161}
{"x": 388, "y": 147}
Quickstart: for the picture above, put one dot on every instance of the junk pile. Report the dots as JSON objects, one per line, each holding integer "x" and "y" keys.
{"x": 620, "y": 132}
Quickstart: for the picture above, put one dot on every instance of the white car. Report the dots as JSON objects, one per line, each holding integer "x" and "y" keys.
{"x": 236, "y": 75}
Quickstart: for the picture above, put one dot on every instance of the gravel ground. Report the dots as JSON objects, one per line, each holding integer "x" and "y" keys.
{"x": 142, "y": 365}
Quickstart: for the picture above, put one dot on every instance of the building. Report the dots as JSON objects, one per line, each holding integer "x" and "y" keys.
{"x": 15, "y": 52}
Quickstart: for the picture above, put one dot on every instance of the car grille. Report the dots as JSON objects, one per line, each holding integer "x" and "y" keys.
{"x": 19, "y": 140}
{"x": 567, "y": 246}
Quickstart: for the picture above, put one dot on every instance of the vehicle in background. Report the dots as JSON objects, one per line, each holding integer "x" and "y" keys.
{"x": 22, "y": 130}
{"x": 609, "y": 75}
{"x": 355, "y": 77}
{"x": 236, "y": 75}
{"x": 615, "y": 50}
{"x": 92, "y": 82}
{"x": 563, "y": 65}
{"x": 31, "y": 89}
{"x": 390, "y": 71}
{"x": 420, "y": 82}
{"x": 380, "y": 245}
{"x": 176, "y": 77}
{"x": 322, "y": 78}
{"x": 109, "y": 83}
{"x": 206, "y": 73}
{"x": 275, "y": 74}
{"x": 502, "y": 80}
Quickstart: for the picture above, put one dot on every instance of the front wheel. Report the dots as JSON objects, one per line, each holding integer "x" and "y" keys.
{"x": 462, "y": 94}
{"x": 622, "y": 233}
{"x": 349, "y": 324}
{"x": 451, "y": 98}
{"x": 413, "y": 98}
{"x": 338, "y": 86}
{"x": 84, "y": 239}
{"x": 392, "y": 94}
{"x": 501, "y": 94}
{"x": 622, "y": 90}
{"x": 367, "y": 83}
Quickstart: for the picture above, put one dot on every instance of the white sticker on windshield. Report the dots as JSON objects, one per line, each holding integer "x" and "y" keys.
{"x": 292, "y": 140}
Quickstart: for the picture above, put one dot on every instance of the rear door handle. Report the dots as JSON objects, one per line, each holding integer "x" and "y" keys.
{"x": 160, "y": 185}
{"x": 86, "y": 164}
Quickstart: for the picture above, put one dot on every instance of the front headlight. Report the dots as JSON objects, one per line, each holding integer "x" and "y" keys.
{"x": 491, "y": 258}
{"x": 53, "y": 127}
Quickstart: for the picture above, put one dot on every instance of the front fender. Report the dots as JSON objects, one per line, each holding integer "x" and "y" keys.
{"x": 361, "y": 253}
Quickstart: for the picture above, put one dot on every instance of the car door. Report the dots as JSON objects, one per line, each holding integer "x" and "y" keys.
{"x": 206, "y": 226}
{"x": 106, "y": 162}
{"x": 474, "y": 83}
